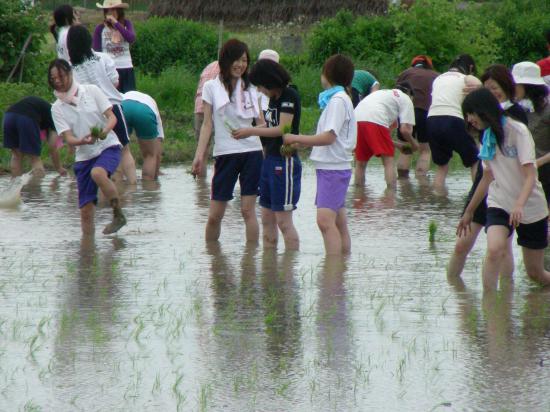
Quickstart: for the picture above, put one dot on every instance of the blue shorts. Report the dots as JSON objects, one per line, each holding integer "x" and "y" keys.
{"x": 246, "y": 167}
{"x": 22, "y": 133}
{"x": 87, "y": 188}
{"x": 280, "y": 183}
{"x": 531, "y": 235}
{"x": 140, "y": 117}
{"x": 121, "y": 130}
{"x": 447, "y": 134}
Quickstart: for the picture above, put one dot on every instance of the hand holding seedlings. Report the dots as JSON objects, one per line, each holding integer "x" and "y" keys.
{"x": 98, "y": 133}
{"x": 287, "y": 150}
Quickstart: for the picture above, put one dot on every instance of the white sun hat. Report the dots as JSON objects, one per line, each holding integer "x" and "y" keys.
{"x": 527, "y": 73}
{"x": 269, "y": 54}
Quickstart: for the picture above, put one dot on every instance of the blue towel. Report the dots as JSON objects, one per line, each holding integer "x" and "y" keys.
{"x": 489, "y": 143}
{"x": 325, "y": 96}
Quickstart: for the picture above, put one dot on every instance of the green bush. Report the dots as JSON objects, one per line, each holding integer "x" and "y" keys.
{"x": 13, "y": 92}
{"x": 17, "y": 22}
{"x": 163, "y": 42}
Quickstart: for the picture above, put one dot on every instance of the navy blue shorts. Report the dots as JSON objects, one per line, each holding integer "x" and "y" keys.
{"x": 447, "y": 134}
{"x": 246, "y": 167}
{"x": 121, "y": 130}
{"x": 420, "y": 129}
{"x": 532, "y": 235}
{"x": 22, "y": 133}
{"x": 280, "y": 183}
{"x": 480, "y": 214}
{"x": 126, "y": 80}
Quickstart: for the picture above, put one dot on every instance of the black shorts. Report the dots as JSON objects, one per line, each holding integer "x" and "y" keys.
{"x": 532, "y": 235}
{"x": 544, "y": 178}
{"x": 447, "y": 134}
{"x": 120, "y": 129}
{"x": 480, "y": 214}
{"x": 126, "y": 80}
{"x": 245, "y": 167}
{"x": 420, "y": 130}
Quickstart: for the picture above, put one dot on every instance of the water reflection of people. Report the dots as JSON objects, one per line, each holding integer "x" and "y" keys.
{"x": 281, "y": 306}
{"x": 87, "y": 313}
{"x": 332, "y": 317}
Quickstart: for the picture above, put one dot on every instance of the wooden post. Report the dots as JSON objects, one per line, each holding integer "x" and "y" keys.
{"x": 19, "y": 60}
{"x": 220, "y": 37}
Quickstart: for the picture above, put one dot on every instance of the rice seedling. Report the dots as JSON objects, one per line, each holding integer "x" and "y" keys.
{"x": 98, "y": 133}
{"x": 432, "y": 229}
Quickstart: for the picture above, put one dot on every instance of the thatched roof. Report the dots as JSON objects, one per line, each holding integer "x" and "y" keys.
{"x": 261, "y": 11}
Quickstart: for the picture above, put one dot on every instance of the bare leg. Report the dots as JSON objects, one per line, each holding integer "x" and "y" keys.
{"x": 534, "y": 265}
{"x": 326, "y": 220}
{"x": 342, "y": 225}
{"x": 128, "y": 165}
{"x": 441, "y": 175}
{"x": 507, "y": 264}
{"x": 360, "y": 168}
{"x": 424, "y": 158}
{"x": 269, "y": 226}
{"x": 286, "y": 225}
{"x": 37, "y": 166}
{"x": 100, "y": 177}
{"x": 389, "y": 171}
{"x": 16, "y": 163}
{"x": 403, "y": 164}
{"x": 497, "y": 243}
{"x": 87, "y": 219}
{"x": 215, "y": 216}
{"x": 158, "y": 142}
{"x": 248, "y": 211}
{"x": 149, "y": 153}
{"x": 463, "y": 246}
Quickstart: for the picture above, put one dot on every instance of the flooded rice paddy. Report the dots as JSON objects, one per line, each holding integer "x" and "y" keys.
{"x": 155, "y": 320}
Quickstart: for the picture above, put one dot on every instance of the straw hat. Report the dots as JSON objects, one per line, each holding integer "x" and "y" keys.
{"x": 112, "y": 4}
{"x": 527, "y": 73}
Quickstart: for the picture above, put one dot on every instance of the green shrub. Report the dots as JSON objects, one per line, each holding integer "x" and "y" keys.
{"x": 523, "y": 23}
{"x": 13, "y": 92}
{"x": 163, "y": 42}
{"x": 17, "y": 22}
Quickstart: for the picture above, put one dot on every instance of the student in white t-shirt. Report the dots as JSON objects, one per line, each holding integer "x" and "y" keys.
{"x": 97, "y": 68}
{"x": 331, "y": 155}
{"x": 77, "y": 110}
{"x": 375, "y": 115}
{"x": 515, "y": 196}
{"x": 64, "y": 17}
{"x": 229, "y": 103}
{"x": 446, "y": 127}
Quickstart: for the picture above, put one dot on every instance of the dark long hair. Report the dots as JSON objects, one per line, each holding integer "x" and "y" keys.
{"x": 231, "y": 51}
{"x": 269, "y": 74}
{"x": 62, "y": 16}
{"x": 61, "y": 65}
{"x": 79, "y": 43}
{"x": 465, "y": 64}
{"x": 537, "y": 93}
{"x": 486, "y": 106}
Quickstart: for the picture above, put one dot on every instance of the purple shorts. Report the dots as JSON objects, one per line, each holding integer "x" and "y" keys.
{"x": 87, "y": 188}
{"x": 332, "y": 186}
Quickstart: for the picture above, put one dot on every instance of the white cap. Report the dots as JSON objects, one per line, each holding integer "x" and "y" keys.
{"x": 527, "y": 73}
{"x": 269, "y": 54}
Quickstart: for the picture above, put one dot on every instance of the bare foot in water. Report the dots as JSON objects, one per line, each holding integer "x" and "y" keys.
{"x": 118, "y": 221}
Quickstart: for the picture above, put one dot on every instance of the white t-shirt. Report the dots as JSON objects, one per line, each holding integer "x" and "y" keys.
{"x": 339, "y": 117}
{"x": 148, "y": 101}
{"x": 87, "y": 113}
{"x": 224, "y": 143}
{"x": 518, "y": 150}
{"x": 101, "y": 71}
{"x": 61, "y": 46}
{"x": 448, "y": 94}
{"x": 384, "y": 107}
{"x": 119, "y": 52}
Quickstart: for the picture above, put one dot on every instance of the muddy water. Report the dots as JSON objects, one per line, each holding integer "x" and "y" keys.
{"x": 154, "y": 320}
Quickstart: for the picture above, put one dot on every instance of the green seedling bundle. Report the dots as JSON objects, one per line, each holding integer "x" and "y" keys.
{"x": 97, "y": 132}
{"x": 286, "y": 149}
